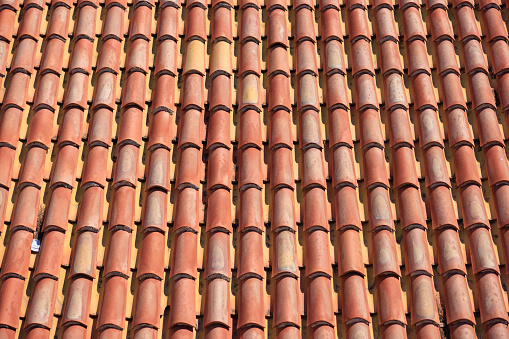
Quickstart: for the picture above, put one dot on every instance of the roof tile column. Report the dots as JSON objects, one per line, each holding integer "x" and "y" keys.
{"x": 117, "y": 265}
{"x": 250, "y": 271}
{"x": 184, "y": 261}
{"x": 13, "y": 102}
{"x": 39, "y": 317}
{"x": 355, "y": 310}
{"x": 9, "y": 12}
{"x": 83, "y": 270}
{"x": 150, "y": 274}
{"x": 450, "y": 259}
{"x": 423, "y": 308}
{"x": 285, "y": 268}
{"x": 390, "y": 310}
{"x": 484, "y": 262}
{"x": 216, "y": 317}
{"x": 496, "y": 34}
{"x": 16, "y": 261}
{"x": 318, "y": 269}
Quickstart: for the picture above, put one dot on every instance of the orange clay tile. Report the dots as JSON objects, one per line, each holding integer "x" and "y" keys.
{"x": 213, "y": 169}
{"x": 250, "y": 268}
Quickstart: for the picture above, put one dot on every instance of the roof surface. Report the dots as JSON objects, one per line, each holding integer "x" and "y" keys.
{"x": 252, "y": 170}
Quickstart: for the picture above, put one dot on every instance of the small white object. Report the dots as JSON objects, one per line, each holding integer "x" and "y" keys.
{"x": 36, "y": 245}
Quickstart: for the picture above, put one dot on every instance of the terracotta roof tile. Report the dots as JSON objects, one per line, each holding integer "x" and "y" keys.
{"x": 248, "y": 169}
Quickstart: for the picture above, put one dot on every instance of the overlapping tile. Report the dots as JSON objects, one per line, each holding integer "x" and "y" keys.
{"x": 220, "y": 169}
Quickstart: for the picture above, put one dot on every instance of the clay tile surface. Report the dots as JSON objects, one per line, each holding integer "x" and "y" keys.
{"x": 278, "y": 169}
